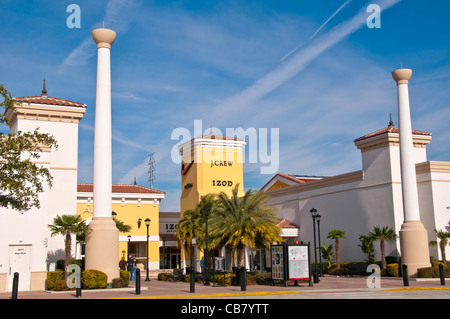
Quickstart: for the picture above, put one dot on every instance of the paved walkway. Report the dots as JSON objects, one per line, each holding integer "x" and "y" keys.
{"x": 328, "y": 287}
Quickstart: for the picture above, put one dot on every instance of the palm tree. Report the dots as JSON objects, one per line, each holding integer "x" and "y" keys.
{"x": 443, "y": 241}
{"x": 192, "y": 224}
{"x": 327, "y": 253}
{"x": 383, "y": 234}
{"x": 67, "y": 225}
{"x": 121, "y": 226}
{"x": 336, "y": 234}
{"x": 242, "y": 221}
{"x": 367, "y": 247}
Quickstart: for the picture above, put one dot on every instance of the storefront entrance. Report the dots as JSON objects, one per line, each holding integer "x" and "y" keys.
{"x": 257, "y": 259}
{"x": 170, "y": 258}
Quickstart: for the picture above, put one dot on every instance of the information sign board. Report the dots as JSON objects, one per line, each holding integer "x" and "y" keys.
{"x": 298, "y": 262}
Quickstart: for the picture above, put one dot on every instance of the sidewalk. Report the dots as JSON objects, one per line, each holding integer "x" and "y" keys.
{"x": 155, "y": 289}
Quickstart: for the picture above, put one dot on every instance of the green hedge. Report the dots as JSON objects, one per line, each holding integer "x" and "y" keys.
{"x": 433, "y": 272}
{"x": 92, "y": 279}
{"x": 53, "y": 277}
{"x": 394, "y": 270}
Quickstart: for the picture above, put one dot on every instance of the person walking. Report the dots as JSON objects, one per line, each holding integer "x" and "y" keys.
{"x": 123, "y": 264}
{"x": 132, "y": 265}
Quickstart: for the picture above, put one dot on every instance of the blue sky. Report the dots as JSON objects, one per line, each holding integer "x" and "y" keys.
{"x": 313, "y": 70}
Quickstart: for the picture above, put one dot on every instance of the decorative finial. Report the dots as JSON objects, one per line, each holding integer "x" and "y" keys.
{"x": 135, "y": 181}
{"x": 44, "y": 91}
{"x": 391, "y": 123}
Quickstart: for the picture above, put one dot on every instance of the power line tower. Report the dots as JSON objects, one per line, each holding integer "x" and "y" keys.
{"x": 151, "y": 170}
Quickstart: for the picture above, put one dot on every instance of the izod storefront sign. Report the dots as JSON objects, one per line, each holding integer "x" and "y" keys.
{"x": 221, "y": 163}
{"x": 218, "y": 182}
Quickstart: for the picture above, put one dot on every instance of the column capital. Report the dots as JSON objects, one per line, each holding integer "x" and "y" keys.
{"x": 104, "y": 38}
{"x": 402, "y": 76}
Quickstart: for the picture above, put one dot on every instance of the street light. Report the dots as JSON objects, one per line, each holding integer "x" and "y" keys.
{"x": 192, "y": 271}
{"x": 318, "y": 231}
{"x": 206, "y": 211}
{"x": 147, "y": 223}
{"x": 128, "y": 247}
{"x": 314, "y": 214}
{"x": 164, "y": 251}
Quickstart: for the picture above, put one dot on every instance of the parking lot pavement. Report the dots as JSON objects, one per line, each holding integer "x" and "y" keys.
{"x": 328, "y": 287}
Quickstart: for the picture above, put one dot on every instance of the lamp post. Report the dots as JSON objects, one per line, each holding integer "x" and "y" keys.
{"x": 313, "y": 212}
{"x": 164, "y": 251}
{"x": 147, "y": 223}
{"x": 318, "y": 233}
{"x": 206, "y": 212}
{"x": 192, "y": 272}
{"x": 128, "y": 247}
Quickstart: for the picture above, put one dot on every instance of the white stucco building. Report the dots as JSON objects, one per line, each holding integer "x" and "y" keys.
{"x": 25, "y": 242}
{"x": 357, "y": 201}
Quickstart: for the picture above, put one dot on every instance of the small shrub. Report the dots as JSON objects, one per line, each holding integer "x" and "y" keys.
{"x": 427, "y": 272}
{"x": 52, "y": 277}
{"x": 432, "y": 272}
{"x": 436, "y": 263}
{"x": 60, "y": 285}
{"x": 117, "y": 283}
{"x": 125, "y": 275}
{"x": 228, "y": 279}
{"x": 162, "y": 276}
{"x": 92, "y": 279}
{"x": 393, "y": 270}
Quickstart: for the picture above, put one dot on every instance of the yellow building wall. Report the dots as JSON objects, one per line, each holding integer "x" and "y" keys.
{"x": 278, "y": 185}
{"x": 129, "y": 213}
{"x": 213, "y": 170}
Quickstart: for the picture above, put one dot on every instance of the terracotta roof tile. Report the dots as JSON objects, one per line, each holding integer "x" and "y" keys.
{"x": 49, "y": 100}
{"x": 120, "y": 188}
{"x": 389, "y": 129}
{"x": 284, "y": 223}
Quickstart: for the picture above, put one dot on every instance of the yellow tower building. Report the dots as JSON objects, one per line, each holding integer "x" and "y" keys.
{"x": 209, "y": 164}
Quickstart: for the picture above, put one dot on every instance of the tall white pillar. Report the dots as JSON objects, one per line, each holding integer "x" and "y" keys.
{"x": 102, "y": 243}
{"x": 413, "y": 236}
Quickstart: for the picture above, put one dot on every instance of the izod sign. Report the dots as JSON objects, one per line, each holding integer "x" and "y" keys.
{"x": 170, "y": 227}
{"x": 218, "y": 182}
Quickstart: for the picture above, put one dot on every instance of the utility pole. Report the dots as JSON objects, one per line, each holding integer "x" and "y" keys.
{"x": 151, "y": 170}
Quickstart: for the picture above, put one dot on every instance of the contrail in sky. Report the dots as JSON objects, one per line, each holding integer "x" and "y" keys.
{"x": 300, "y": 60}
{"x": 320, "y": 28}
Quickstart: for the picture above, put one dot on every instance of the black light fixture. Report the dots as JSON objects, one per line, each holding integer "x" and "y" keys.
{"x": 147, "y": 223}
{"x": 128, "y": 247}
{"x": 318, "y": 232}
{"x": 206, "y": 212}
{"x": 139, "y": 222}
{"x": 192, "y": 271}
{"x": 164, "y": 251}
{"x": 313, "y": 212}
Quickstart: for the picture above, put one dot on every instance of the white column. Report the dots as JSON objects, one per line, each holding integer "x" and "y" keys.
{"x": 102, "y": 242}
{"x": 102, "y": 137}
{"x": 408, "y": 165}
{"x": 413, "y": 235}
